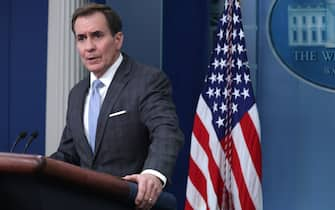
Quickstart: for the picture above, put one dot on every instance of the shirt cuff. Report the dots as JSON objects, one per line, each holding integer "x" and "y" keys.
{"x": 157, "y": 174}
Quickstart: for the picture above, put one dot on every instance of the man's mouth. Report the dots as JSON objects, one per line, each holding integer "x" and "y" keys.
{"x": 92, "y": 59}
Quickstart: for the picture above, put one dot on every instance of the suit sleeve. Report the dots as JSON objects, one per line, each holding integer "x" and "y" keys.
{"x": 66, "y": 151}
{"x": 159, "y": 115}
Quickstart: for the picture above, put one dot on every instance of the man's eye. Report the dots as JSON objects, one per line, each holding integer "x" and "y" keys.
{"x": 98, "y": 34}
{"x": 80, "y": 38}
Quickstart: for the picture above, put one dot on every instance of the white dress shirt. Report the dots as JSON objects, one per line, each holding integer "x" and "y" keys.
{"x": 106, "y": 79}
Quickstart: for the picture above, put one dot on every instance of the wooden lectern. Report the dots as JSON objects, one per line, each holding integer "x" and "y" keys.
{"x": 33, "y": 182}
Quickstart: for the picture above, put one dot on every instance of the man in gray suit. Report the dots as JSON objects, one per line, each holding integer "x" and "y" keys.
{"x": 121, "y": 119}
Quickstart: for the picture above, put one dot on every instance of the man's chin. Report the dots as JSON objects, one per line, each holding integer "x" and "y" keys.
{"x": 96, "y": 71}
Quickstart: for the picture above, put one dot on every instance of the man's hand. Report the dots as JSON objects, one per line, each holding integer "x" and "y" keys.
{"x": 149, "y": 188}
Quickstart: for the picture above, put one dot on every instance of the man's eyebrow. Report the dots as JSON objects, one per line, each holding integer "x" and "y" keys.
{"x": 77, "y": 35}
{"x": 96, "y": 32}
{"x": 93, "y": 33}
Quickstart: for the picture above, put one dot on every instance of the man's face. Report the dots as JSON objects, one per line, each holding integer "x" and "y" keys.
{"x": 98, "y": 49}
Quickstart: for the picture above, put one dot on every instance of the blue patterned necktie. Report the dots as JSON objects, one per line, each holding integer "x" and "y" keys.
{"x": 93, "y": 114}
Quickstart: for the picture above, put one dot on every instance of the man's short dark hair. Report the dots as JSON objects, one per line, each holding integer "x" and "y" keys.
{"x": 113, "y": 19}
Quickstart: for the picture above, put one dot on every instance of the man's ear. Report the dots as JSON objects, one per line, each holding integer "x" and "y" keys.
{"x": 118, "y": 39}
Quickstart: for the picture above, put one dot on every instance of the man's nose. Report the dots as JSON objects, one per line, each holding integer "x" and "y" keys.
{"x": 89, "y": 45}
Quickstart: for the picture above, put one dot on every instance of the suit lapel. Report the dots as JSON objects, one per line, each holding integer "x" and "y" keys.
{"x": 120, "y": 79}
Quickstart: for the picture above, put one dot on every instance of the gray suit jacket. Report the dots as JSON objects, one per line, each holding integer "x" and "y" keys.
{"x": 147, "y": 136}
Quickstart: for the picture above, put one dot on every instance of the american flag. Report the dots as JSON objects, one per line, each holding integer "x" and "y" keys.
{"x": 225, "y": 168}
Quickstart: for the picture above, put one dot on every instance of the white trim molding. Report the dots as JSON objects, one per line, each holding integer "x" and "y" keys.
{"x": 64, "y": 68}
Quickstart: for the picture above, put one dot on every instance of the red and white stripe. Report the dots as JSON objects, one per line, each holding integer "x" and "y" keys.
{"x": 208, "y": 165}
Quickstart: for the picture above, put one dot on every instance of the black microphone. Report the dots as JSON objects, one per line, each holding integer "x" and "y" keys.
{"x": 21, "y": 136}
{"x": 32, "y": 136}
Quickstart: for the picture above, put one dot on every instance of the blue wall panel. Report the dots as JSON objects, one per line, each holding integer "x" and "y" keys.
{"x": 4, "y": 84}
{"x": 142, "y": 28}
{"x": 298, "y": 124}
{"x": 25, "y": 72}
